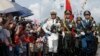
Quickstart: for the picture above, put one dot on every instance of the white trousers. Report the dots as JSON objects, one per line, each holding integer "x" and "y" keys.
{"x": 53, "y": 42}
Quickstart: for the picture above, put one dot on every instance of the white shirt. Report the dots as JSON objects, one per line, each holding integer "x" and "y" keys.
{"x": 47, "y": 26}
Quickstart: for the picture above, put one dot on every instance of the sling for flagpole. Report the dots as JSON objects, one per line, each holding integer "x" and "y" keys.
{"x": 65, "y": 25}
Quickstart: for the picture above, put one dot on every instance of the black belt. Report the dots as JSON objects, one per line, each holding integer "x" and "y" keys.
{"x": 1, "y": 42}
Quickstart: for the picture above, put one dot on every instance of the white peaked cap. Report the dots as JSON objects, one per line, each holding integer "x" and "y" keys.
{"x": 53, "y": 11}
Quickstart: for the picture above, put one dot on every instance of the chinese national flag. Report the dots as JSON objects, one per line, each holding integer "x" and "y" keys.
{"x": 68, "y": 7}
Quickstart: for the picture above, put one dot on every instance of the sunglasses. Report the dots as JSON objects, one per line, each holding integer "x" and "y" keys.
{"x": 86, "y": 14}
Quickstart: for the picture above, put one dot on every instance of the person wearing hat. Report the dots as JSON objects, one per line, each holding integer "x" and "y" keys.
{"x": 79, "y": 23}
{"x": 68, "y": 22}
{"x": 87, "y": 15}
{"x": 50, "y": 28}
{"x": 68, "y": 40}
{"x": 89, "y": 33}
{"x": 80, "y": 43}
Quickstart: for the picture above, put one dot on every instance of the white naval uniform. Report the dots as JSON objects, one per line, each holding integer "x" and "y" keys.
{"x": 53, "y": 38}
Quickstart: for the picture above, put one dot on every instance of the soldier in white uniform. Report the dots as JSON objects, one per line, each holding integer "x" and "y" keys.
{"x": 51, "y": 27}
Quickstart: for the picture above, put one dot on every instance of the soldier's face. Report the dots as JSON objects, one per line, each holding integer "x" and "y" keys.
{"x": 87, "y": 16}
{"x": 78, "y": 21}
{"x": 53, "y": 16}
{"x": 67, "y": 15}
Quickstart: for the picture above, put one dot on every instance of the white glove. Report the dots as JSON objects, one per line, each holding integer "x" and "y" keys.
{"x": 70, "y": 25}
{"x": 63, "y": 34}
{"x": 94, "y": 25}
{"x": 76, "y": 35}
{"x": 82, "y": 33}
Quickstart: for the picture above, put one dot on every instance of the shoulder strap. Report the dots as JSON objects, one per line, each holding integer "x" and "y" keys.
{"x": 65, "y": 25}
{"x": 83, "y": 24}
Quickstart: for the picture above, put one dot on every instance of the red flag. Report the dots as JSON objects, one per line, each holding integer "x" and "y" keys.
{"x": 68, "y": 7}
